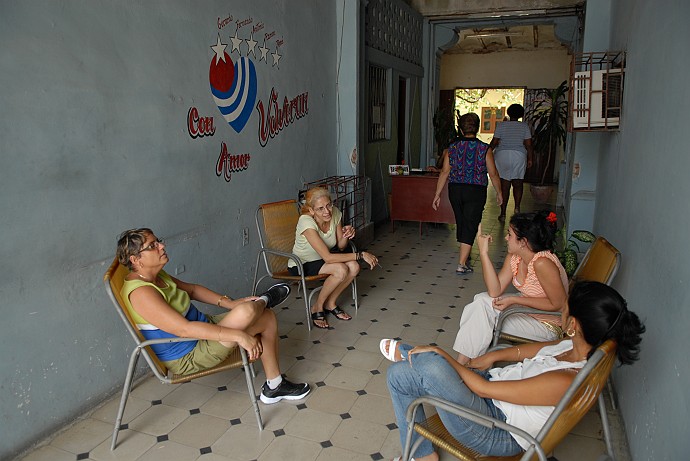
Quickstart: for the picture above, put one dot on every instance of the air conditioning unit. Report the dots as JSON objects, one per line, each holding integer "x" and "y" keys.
{"x": 597, "y": 98}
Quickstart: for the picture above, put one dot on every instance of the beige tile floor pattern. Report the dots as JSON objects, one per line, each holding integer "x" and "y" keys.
{"x": 416, "y": 296}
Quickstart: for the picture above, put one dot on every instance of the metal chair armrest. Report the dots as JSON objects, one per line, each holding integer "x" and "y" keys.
{"x": 516, "y": 310}
{"x": 473, "y": 416}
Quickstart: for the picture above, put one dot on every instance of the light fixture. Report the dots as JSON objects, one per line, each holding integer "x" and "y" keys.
{"x": 493, "y": 34}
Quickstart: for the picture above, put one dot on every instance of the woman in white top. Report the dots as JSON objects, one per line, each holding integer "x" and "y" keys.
{"x": 523, "y": 394}
{"x": 320, "y": 231}
{"x": 512, "y": 145}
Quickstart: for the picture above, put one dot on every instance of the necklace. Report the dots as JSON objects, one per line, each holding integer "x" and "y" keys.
{"x": 145, "y": 279}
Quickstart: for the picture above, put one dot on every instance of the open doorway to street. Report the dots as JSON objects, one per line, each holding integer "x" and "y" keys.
{"x": 489, "y": 104}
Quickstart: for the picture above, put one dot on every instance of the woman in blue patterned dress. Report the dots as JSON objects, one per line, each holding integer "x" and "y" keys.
{"x": 466, "y": 163}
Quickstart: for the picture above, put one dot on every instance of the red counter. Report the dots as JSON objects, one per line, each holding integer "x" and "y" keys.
{"x": 411, "y": 200}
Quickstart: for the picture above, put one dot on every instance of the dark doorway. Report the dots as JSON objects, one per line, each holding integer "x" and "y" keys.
{"x": 402, "y": 120}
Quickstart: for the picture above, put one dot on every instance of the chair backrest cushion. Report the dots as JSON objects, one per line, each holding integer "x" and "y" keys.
{"x": 599, "y": 264}
{"x": 277, "y": 223}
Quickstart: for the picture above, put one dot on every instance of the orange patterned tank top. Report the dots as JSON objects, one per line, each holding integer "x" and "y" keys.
{"x": 531, "y": 287}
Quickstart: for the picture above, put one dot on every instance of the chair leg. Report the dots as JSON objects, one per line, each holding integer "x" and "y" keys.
{"x": 126, "y": 388}
{"x": 605, "y": 427}
{"x": 308, "y": 303}
{"x": 354, "y": 294}
{"x": 248, "y": 372}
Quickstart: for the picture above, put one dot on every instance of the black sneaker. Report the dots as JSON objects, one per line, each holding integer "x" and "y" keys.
{"x": 286, "y": 390}
{"x": 276, "y": 294}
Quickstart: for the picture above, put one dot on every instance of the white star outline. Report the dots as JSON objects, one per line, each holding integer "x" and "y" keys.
{"x": 219, "y": 50}
{"x": 251, "y": 44}
{"x": 264, "y": 51}
{"x": 276, "y": 57}
{"x": 236, "y": 42}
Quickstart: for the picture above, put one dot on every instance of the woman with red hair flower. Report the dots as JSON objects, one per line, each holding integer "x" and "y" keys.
{"x": 533, "y": 269}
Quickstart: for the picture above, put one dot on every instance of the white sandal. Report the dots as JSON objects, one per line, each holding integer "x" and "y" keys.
{"x": 390, "y": 355}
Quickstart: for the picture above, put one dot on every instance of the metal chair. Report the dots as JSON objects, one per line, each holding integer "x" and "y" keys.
{"x": 276, "y": 223}
{"x": 114, "y": 279}
{"x": 577, "y": 401}
{"x": 600, "y": 264}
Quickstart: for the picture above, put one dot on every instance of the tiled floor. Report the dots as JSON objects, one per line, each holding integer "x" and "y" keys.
{"x": 348, "y": 416}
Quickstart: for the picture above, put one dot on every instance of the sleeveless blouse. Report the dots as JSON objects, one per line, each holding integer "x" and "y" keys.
{"x": 531, "y": 287}
{"x": 467, "y": 158}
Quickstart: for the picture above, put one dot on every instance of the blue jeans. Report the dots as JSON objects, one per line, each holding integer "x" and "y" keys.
{"x": 431, "y": 374}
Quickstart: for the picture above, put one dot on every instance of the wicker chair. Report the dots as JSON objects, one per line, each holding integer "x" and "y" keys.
{"x": 276, "y": 223}
{"x": 577, "y": 401}
{"x": 114, "y": 279}
{"x": 600, "y": 264}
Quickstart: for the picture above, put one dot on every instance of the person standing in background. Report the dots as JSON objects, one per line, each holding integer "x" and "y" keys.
{"x": 466, "y": 162}
{"x": 512, "y": 144}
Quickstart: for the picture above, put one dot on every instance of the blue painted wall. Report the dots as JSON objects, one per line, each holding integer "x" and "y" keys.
{"x": 95, "y": 99}
{"x": 642, "y": 190}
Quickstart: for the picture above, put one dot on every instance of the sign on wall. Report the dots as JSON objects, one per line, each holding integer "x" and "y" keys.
{"x": 241, "y": 62}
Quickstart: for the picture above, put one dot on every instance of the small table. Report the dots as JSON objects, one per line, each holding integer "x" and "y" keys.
{"x": 411, "y": 200}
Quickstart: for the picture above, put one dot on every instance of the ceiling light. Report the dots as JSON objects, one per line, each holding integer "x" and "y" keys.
{"x": 493, "y": 34}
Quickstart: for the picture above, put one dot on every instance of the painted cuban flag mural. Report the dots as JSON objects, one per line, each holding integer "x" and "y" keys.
{"x": 233, "y": 86}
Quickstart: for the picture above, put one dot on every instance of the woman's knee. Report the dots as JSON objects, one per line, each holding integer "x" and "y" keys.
{"x": 353, "y": 268}
{"x": 339, "y": 271}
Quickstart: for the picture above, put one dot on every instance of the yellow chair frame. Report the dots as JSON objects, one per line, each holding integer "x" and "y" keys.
{"x": 113, "y": 280}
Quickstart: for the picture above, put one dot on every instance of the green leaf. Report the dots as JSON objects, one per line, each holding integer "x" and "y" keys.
{"x": 569, "y": 261}
{"x": 583, "y": 236}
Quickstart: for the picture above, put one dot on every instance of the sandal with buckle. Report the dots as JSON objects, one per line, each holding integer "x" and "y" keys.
{"x": 319, "y": 316}
{"x": 338, "y": 313}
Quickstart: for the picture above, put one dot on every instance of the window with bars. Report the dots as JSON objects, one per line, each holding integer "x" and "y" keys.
{"x": 379, "y": 84}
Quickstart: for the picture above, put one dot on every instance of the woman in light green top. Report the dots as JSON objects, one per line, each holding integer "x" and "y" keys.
{"x": 320, "y": 230}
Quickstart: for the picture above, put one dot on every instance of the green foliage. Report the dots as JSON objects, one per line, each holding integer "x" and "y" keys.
{"x": 567, "y": 253}
{"x": 549, "y": 117}
{"x": 445, "y": 128}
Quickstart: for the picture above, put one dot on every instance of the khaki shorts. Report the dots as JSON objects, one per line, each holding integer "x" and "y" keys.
{"x": 206, "y": 354}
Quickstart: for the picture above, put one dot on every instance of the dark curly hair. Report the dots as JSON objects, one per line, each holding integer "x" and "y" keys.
{"x": 516, "y": 111}
{"x": 603, "y": 314}
{"x": 539, "y": 232}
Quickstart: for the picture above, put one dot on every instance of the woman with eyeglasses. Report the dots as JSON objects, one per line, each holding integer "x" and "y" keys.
{"x": 161, "y": 306}
{"x": 320, "y": 239}
{"x": 523, "y": 394}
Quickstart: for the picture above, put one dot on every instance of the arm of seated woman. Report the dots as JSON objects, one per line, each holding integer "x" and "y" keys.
{"x": 545, "y": 389}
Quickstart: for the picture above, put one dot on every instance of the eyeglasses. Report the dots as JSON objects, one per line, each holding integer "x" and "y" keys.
{"x": 322, "y": 209}
{"x": 153, "y": 246}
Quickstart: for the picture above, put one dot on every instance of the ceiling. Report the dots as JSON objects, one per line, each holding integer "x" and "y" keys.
{"x": 482, "y": 40}
{"x": 488, "y": 26}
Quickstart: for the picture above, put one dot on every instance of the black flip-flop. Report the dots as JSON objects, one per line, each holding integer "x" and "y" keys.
{"x": 336, "y": 311}
{"x": 321, "y": 315}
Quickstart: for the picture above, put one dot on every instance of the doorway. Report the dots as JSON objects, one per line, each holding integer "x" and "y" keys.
{"x": 402, "y": 121}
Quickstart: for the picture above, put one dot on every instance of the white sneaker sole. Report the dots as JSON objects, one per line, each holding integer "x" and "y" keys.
{"x": 270, "y": 400}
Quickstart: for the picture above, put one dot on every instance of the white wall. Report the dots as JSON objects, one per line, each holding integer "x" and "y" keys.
{"x": 95, "y": 97}
{"x": 642, "y": 193}
{"x": 534, "y": 69}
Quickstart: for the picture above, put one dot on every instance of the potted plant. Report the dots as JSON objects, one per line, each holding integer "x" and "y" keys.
{"x": 548, "y": 118}
{"x": 445, "y": 129}
{"x": 568, "y": 253}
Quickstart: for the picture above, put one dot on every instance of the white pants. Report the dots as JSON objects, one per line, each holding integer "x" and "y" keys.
{"x": 477, "y": 327}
